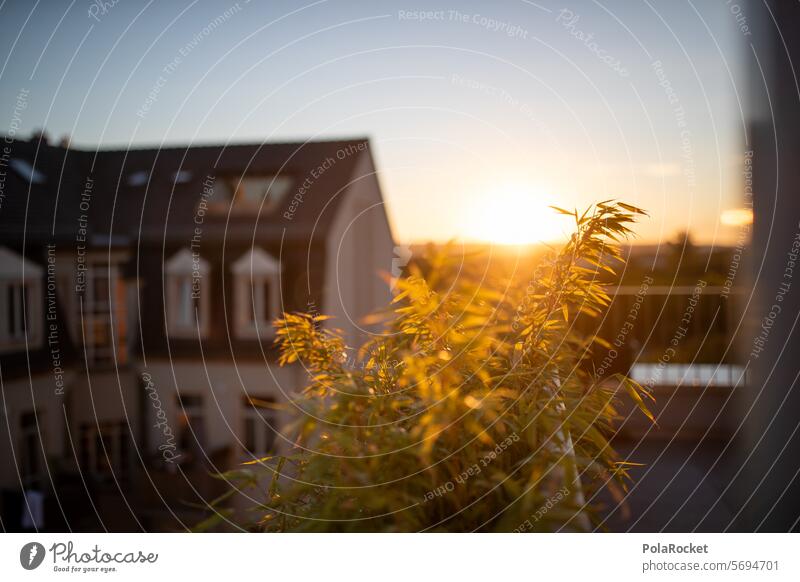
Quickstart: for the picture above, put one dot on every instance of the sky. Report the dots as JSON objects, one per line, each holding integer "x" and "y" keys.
{"x": 480, "y": 114}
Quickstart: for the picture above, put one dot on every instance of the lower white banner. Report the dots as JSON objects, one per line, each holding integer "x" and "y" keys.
{"x": 355, "y": 557}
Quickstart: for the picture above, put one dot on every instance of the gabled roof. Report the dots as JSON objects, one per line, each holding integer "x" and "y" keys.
{"x": 184, "y": 263}
{"x": 14, "y": 266}
{"x": 37, "y": 209}
{"x": 256, "y": 262}
{"x": 105, "y": 187}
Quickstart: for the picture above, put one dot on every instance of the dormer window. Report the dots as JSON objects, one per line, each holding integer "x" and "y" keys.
{"x": 26, "y": 171}
{"x": 267, "y": 189}
{"x": 257, "y": 294}
{"x": 253, "y": 193}
{"x": 20, "y": 302}
{"x": 187, "y": 295}
{"x": 138, "y": 178}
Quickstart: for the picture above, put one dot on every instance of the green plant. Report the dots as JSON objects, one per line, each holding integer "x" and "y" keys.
{"x": 475, "y": 410}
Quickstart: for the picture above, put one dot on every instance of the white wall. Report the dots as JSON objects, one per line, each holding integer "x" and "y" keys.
{"x": 20, "y": 397}
{"x": 360, "y": 247}
{"x": 222, "y": 388}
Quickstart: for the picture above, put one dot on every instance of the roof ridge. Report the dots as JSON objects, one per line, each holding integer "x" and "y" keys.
{"x": 217, "y": 145}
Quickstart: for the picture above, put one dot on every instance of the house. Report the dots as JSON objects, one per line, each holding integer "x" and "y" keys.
{"x": 137, "y": 291}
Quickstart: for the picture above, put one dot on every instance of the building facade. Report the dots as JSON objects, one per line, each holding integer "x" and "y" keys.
{"x": 138, "y": 290}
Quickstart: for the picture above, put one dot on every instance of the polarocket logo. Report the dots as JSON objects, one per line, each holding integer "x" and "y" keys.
{"x": 31, "y": 555}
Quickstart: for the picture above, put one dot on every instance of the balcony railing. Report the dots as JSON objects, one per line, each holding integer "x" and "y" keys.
{"x": 697, "y": 375}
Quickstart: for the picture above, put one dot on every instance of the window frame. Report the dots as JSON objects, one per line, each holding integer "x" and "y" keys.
{"x": 33, "y": 458}
{"x": 20, "y": 273}
{"x": 265, "y": 426}
{"x": 192, "y": 428}
{"x": 254, "y": 272}
{"x": 105, "y": 449}
{"x": 137, "y": 178}
{"x": 182, "y": 267}
{"x": 229, "y": 193}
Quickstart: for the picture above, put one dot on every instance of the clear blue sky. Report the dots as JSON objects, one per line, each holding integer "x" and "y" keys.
{"x": 470, "y": 110}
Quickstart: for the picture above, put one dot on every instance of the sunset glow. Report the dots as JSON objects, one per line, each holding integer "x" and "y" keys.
{"x": 516, "y": 215}
{"x": 737, "y": 217}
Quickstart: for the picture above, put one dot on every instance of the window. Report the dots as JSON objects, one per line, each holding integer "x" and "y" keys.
{"x": 259, "y": 426}
{"x": 268, "y": 189}
{"x": 253, "y": 193}
{"x": 257, "y": 297}
{"x": 26, "y": 171}
{"x": 105, "y": 449}
{"x": 191, "y": 428}
{"x": 187, "y": 295}
{"x": 138, "y": 178}
{"x": 695, "y": 374}
{"x": 257, "y": 294}
{"x": 20, "y": 302}
{"x": 181, "y": 177}
{"x": 16, "y": 295}
{"x": 105, "y": 314}
{"x": 187, "y": 305}
{"x": 33, "y": 466}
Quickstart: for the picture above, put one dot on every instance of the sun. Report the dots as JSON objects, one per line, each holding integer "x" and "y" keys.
{"x": 517, "y": 215}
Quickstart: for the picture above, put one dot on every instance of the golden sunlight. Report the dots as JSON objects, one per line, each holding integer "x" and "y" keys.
{"x": 737, "y": 217}
{"x": 517, "y": 215}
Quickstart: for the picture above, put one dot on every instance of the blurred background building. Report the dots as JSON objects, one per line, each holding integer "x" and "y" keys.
{"x": 138, "y": 290}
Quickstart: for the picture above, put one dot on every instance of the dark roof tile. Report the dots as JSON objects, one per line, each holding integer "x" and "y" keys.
{"x": 95, "y": 185}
